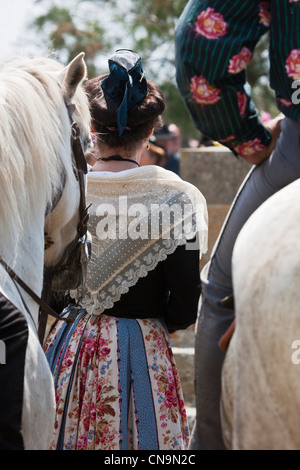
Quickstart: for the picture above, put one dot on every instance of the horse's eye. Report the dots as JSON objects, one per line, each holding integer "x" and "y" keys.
{"x": 87, "y": 143}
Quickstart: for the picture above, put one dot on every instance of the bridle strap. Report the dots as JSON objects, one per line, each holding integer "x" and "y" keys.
{"x": 80, "y": 169}
{"x": 32, "y": 294}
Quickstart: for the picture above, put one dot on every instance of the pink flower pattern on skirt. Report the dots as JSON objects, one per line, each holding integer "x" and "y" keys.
{"x": 210, "y": 24}
{"x": 93, "y": 410}
{"x": 240, "y": 61}
{"x": 202, "y": 92}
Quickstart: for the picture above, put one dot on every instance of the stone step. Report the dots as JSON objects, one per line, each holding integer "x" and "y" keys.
{"x": 183, "y": 338}
{"x": 184, "y": 359}
{"x": 182, "y": 343}
{"x": 191, "y": 415}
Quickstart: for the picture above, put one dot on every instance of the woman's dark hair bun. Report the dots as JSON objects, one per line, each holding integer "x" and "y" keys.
{"x": 141, "y": 119}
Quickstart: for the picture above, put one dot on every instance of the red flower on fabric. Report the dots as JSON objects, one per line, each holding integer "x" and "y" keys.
{"x": 285, "y": 102}
{"x": 249, "y": 148}
{"x": 98, "y": 394}
{"x": 82, "y": 443}
{"x": 182, "y": 407}
{"x": 240, "y": 61}
{"x": 242, "y": 103}
{"x": 203, "y": 92}
{"x": 265, "y": 13}
{"x": 292, "y": 64}
{"x": 105, "y": 351}
{"x": 170, "y": 397}
{"x": 210, "y": 24}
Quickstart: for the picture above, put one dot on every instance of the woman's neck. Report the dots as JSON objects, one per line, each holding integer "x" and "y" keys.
{"x": 131, "y": 159}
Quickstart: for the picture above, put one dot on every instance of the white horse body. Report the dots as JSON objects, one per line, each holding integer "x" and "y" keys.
{"x": 260, "y": 383}
{"x": 35, "y": 150}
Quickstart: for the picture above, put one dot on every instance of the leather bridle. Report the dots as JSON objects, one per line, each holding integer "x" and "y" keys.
{"x": 80, "y": 169}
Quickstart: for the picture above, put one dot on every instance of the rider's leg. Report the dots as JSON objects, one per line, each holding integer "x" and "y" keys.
{"x": 282, "y": 168}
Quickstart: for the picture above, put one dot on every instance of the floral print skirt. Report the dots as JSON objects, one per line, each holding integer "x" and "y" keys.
{"x": 117, "y": 386}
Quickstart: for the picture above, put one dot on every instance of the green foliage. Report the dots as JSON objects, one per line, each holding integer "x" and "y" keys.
{"x": 157, "y": 19}
{"x": 98, "y": 27}
{"x": 68, "y": 39}
{"x": 176, "y": 111}
{"x": 258, "y": 77}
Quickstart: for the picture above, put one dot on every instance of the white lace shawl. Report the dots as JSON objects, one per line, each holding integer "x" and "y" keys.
{"x": 137, "y": 218}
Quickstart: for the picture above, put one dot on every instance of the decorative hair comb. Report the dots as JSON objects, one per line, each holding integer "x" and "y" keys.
{"x": 126, "y": 83}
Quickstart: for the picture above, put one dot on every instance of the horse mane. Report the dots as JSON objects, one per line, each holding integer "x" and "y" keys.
{"x": 34, "y": 142}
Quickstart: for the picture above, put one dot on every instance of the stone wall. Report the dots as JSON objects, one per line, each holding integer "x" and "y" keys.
{"x": 217, "y": 173}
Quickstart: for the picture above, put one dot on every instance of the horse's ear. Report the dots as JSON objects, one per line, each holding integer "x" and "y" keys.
{"x": 73, "y": 75}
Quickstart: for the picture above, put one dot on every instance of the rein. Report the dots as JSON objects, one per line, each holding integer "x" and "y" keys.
{"x": 80, "y": 169}
{"x": 32, "y": 294}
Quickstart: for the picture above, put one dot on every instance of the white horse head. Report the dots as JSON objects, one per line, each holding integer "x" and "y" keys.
{"x": 35, "y": 153}
{"x": 37, "y": 177}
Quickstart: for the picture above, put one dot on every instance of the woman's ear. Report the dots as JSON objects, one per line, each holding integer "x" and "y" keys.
{"x": 151, "y": 133}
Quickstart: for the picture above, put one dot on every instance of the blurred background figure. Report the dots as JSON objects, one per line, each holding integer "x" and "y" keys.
{"x": 153, "y": 155}
{"x": 169, "y": 138}
{"x": 176, "y": 133}
{"x": 193, "y": 143}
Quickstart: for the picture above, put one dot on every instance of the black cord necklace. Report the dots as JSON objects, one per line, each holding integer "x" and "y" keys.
{"x": 117, "y": 158}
